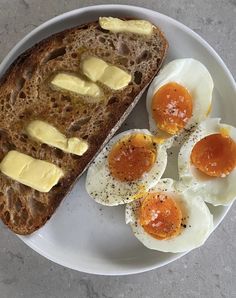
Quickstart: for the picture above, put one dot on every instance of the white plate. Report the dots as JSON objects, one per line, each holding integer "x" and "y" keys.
{"x": 82, "y": 234}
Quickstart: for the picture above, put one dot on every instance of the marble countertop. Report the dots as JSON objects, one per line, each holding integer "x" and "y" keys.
{"x": 209, "y": 271}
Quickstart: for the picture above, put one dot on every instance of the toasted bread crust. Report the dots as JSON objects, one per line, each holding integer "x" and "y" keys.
{"x": 25, "y": 94}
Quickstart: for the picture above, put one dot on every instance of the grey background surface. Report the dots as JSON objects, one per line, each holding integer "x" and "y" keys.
{"x": 209, "y": 271}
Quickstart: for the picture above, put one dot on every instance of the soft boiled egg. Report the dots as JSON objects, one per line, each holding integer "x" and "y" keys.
{"x": 127, "y": 167}
{"x": 207, "y": 162}
{"x": 168, "y": 220}
{"x": 178, "y": 98}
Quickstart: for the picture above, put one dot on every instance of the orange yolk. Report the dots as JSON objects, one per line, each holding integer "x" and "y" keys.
{"x": 131, "y": 157}
{"x": 172, "y": 107}
{"x": 214, "y": 155}
{"x": 160, "y": 216}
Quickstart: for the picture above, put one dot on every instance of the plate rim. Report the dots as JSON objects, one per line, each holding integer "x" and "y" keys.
{"x": 12, "y": 55}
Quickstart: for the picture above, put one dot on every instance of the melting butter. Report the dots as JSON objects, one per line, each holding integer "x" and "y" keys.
{"x": 76, "y": 84}
{"x": 38, "y": 174}
{"x": 48, "y": 134}
{"x": 98, "y": 70}
{"x": 132, "y": 26}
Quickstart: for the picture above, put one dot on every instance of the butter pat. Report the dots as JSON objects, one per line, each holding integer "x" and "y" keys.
{"x": 38, "y": 174}
{"x": 132, "y": 26}
{"x": 115, "y": 78}
{"x": 75, "y": 84}
{"x": 48, "y": 134}
{"x": 93, "y": 68}
{"x": 98, "y": 70}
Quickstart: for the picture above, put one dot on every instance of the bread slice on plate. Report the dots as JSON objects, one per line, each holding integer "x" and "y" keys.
{"x": 27, "y": 94}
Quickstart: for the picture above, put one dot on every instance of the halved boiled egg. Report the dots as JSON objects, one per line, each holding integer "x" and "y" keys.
{"x": 127, "y": 167}
{"x": 168, "y": 220}
{"x": 179, "y": 98}
{"x": 207, "y": 162}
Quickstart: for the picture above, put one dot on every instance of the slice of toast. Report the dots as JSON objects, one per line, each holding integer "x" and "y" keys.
{"x": 26, "y": 94}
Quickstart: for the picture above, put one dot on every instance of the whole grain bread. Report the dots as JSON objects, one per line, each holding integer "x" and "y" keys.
{"x": 26, "y": 94}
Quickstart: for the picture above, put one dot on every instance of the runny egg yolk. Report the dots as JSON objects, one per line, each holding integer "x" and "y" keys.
{"x": 172, "y": 107}
{"x": 131, "y": 157}
{"x": 214, "y": 155}
{"x": 160, "y": 216}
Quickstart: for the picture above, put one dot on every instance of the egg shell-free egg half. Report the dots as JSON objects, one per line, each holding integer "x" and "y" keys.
{"x": 214, "y": 190}
{"x": 107, "y": 190}
{"x": 197, "y": 226}
{"x": 195, "y": 77}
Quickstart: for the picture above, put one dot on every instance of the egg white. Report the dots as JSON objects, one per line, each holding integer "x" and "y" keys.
{"x": 214, "y": 190}
{"x": 195, "y": 77}
{"x": 199, "y": 221}
{"x": 107, "y": 190}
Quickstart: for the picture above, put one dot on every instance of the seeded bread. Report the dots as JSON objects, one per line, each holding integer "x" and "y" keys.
{"x": 26, "y": 94}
